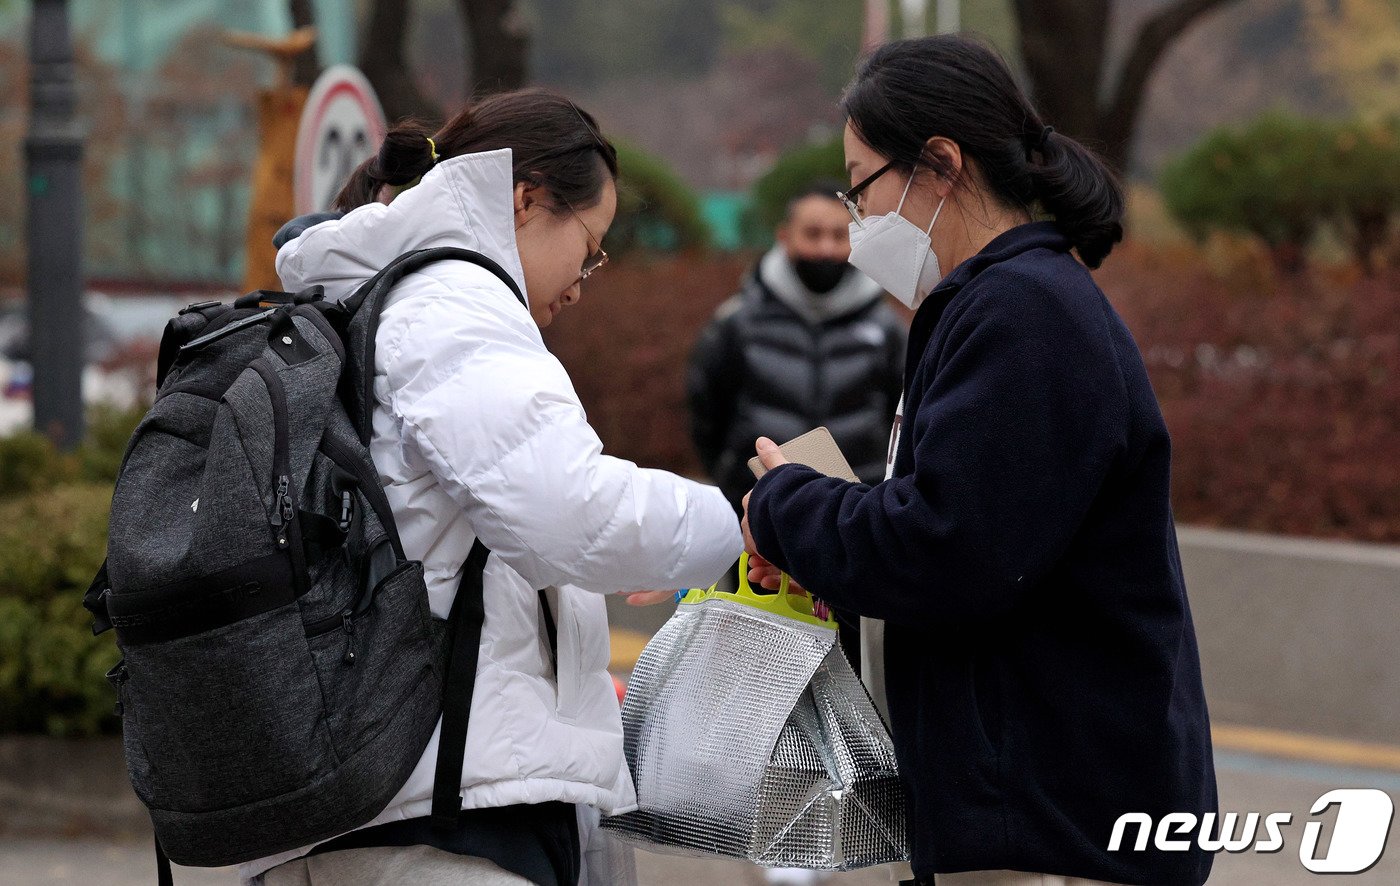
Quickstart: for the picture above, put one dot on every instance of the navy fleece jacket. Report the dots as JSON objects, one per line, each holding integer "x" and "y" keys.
{"x": 1041, "y": 666}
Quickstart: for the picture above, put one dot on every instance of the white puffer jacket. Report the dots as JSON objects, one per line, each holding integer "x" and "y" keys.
{"x": 478, "y": 430}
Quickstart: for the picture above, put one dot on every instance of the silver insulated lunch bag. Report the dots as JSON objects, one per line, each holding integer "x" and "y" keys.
{"x": 748, "y": 735}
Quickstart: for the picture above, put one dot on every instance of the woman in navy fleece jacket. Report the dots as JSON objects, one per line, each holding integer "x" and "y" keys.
{"x": 1040, "y": 669}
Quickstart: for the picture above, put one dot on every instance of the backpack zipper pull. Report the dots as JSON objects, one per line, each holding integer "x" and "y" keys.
{"x": 347, "y": 510}
{"x": 118, "y": 676}
{"x": 284, "y": 498}
{"x": 349, "y": 625}
{"x": 282, "y": 509}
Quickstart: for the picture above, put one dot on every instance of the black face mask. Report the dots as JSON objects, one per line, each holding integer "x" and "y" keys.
{"x": 821, "y": 275}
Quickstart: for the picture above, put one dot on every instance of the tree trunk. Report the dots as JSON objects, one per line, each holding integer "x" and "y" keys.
{"x": 384, "y": 61}
{"x": 1368, "y": 233}
{"x": 498, "y": 42}
{"x": 1063, "y": 46}
{"x": 306, "y": 68}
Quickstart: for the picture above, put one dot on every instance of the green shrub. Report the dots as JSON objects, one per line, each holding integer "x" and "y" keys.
{"x": 1264, "y": 180}
{"x": 656, "y": 210}
{"x": 791, "y": 174}
{"x": 53, "y": 536}
{"x": 52, "y": 540}
{"x": 51, "y": 666}
{"x": 1281, "y": 178}
{"x": 29, "y": 462}
{"x": 1359, "y": 166}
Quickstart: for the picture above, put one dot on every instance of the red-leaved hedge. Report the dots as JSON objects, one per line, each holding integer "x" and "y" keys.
{"x": 626, "y": 345}
{"x": 1282, "y": 394}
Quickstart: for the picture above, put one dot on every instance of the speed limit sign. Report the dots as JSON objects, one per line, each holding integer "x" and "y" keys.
{"x": 341, "y": 125}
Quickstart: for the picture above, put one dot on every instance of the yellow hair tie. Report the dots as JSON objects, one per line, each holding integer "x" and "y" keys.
{"x": 432, "y": 146}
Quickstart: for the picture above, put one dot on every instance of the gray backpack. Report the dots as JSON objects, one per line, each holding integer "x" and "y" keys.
{"x": 282, "y": 673}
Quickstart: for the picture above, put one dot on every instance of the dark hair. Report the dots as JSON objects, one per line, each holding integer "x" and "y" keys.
{"x": 820, "y": 188}
{"x": 909, "y": 91}
{"x": 554, "y": 143}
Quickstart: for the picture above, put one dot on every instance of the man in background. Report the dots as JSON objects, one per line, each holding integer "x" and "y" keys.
{"x": 807, "y": 341}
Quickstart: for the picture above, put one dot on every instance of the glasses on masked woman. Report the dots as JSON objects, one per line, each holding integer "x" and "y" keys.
{"x": 851, "y": 199}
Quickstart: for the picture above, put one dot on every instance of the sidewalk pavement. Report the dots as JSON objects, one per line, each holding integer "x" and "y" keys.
{"x": 1247, "y": 783}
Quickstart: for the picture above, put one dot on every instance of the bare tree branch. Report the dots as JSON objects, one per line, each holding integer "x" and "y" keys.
{"x": 1156, "y": 34}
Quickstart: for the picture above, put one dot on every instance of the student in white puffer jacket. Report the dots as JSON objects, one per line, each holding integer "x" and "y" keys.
{"x": 478, "y": 431}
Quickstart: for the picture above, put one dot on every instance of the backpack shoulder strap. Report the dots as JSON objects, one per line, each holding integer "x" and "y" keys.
{"x": 363, "y": 309}
{"x": 375, "y": 289}
{"x": 361, "y": 312}
{"x": 463, "y": 648}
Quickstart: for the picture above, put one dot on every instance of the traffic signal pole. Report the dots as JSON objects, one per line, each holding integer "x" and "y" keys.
{"x": 53, "y": 151}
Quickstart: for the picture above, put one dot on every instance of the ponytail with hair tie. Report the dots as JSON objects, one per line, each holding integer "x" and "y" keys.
{"x": 1039, "y": 144}
{"x": 553, "y": 143}
{"x": 399, "y": 163}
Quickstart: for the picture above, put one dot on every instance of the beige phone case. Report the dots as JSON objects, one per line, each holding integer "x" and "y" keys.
{"x": 816, "y": 449}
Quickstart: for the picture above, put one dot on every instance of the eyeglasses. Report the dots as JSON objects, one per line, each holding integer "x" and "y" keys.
{"x": 594, "y": 262}
{"x": 849, "y": 198}
{"x": 597, "y": 259}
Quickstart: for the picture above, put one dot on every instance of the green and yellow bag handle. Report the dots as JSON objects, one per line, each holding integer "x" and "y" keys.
{"x": 787, "y": 603}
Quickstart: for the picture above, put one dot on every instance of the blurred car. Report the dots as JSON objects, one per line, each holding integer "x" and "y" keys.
{"x": 111, "y": 323}
{"x": 123, "y": 336}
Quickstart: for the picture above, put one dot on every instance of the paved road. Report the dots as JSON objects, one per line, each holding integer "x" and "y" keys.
{"x": 1247, "y": 783}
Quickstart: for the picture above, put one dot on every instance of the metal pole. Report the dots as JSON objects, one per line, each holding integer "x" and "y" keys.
{"x": 136, "y": 99}
{"x": 949, "y": 16}
{"x": 53, "y": 153}
{"x": 914, "y": 14}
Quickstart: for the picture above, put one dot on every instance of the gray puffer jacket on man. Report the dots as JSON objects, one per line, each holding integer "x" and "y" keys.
{"x": 778, "y": 360}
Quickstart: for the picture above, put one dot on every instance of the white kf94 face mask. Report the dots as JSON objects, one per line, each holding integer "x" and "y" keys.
{"x": 893, "y": 252}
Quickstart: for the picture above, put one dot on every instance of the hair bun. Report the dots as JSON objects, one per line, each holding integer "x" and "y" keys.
{"x": 553, "y": 143}
{"x": 406, "y": 153}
